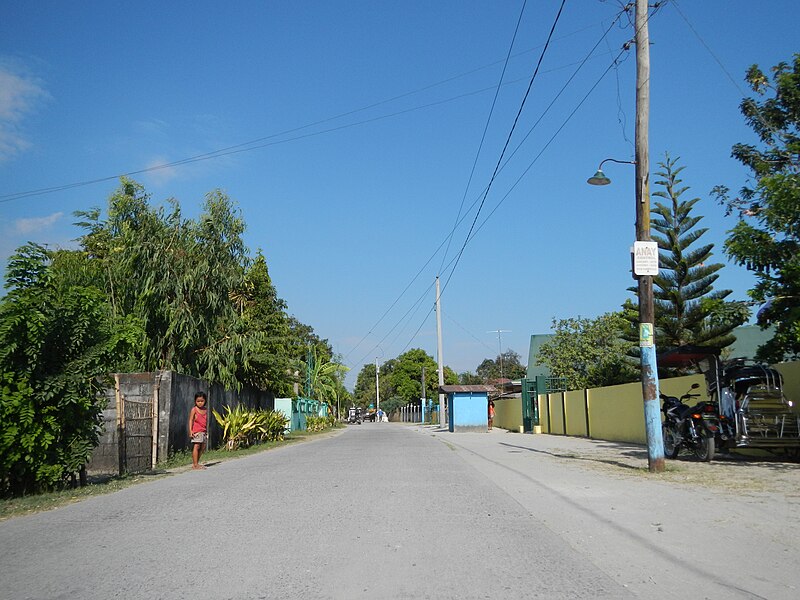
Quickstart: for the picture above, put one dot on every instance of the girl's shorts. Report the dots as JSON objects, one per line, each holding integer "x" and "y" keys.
{"x": 199, "y": 437}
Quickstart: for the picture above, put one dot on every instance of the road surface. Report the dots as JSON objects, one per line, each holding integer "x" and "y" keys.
{"x": 392, "y": 511}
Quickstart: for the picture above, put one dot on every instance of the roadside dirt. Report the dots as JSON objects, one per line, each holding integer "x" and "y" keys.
{"x": 734, "y": 472}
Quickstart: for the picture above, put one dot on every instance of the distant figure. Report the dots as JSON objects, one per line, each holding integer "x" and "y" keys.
{"x": 491, "y": 413}
{"x": 198, "y": 428}
{"x": 380, "y": 415}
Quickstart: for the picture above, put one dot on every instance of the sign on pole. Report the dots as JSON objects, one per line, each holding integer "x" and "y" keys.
{"x": 645, "y": 258}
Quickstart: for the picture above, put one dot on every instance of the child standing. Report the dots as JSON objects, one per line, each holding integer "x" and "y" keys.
{"x": 198, "y": 420}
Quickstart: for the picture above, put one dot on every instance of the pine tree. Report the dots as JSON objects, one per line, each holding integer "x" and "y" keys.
{"x": 683, "y": 290}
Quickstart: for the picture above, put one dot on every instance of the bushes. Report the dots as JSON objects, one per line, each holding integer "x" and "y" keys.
{"x": 319, "y": 423}
{"x": 242, "y": 427}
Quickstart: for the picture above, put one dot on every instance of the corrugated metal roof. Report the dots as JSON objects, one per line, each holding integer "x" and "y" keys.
{"x": 454, "y": 389}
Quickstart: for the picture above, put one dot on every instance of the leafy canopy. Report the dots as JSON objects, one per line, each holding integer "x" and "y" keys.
{"x": 766, "y": 239}
{"x": 588, "y": 352}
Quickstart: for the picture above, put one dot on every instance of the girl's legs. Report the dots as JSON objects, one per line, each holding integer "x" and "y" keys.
{"x": 196, "y": 452}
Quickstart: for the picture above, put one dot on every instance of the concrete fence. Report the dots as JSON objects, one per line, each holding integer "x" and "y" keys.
{"x": 614, "y": 413}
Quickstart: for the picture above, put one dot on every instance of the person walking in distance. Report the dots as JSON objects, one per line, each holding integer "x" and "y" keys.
{"x": 491, "y": 413}
{"x": 198, "y": 428}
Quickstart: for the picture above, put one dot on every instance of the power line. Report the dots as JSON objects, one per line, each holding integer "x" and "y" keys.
{"x": 508, "y": 139}
{"x": 516, "y": 149}
{"x": 472, "y": 234}
{"x": 485, "y": 129}
{"x": 257, "y": 144}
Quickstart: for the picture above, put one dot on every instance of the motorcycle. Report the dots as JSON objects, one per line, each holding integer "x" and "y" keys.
{"x": 692, "y": 427}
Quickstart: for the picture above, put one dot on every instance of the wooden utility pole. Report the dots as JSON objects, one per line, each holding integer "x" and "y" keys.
{"x": 647, "y": 346}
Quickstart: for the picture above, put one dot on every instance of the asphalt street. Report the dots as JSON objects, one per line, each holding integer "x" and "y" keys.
{"x": 393, "y": 511}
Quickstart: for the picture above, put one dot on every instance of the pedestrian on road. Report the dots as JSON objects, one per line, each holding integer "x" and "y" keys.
{"x": 491, "y": 413}
{"x": 198, "y": 428}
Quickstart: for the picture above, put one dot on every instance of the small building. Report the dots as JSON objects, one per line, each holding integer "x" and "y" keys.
{"x": 467, "y": 406}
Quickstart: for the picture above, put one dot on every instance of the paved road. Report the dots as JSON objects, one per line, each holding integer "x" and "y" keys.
{"x": 391, "y": 511}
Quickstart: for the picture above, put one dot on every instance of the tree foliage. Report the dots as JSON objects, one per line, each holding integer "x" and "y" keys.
{"x": 272, "y": 365}
{"x": 148, "y": 290}
{"x": 507, "y": 365}
{"x": 407, "y": 375}
{"x": 176, "y": 277}
{"x": 766, "y": 239}
{"x": 589, "y": 352}
{"x": 401, "y": 380}
{"x": 58, "y": 342}
{"x": 683, "y": 290}
{"x": 326, "y": 380}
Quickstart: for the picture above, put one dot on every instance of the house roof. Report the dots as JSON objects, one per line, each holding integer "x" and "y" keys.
{"x": 454, "y": 389}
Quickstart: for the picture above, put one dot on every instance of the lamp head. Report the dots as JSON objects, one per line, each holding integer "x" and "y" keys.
{"x": 598, "y": 178}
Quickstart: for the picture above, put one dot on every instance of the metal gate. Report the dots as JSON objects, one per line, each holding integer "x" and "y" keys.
{"x": 531, "y": 390}
{"x": 136, "y": 429}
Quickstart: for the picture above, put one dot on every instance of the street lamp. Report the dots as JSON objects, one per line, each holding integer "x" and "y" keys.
{"x": 600, "y": 178}
{"x": 647, "y": 351}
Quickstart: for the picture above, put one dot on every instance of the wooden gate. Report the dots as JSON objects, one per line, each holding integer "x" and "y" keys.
{"x": 136, "y": 428}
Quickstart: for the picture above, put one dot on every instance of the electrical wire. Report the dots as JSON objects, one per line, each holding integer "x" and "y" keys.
{"x": 508, "y": 139}
{"x": 485, "y": 129}
{"x": 257, "y": 144}
{"x": 511, "y": 155}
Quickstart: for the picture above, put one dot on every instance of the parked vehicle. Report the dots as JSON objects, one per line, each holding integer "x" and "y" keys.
{"x": 354, "y": 415}
{"x": 752, "y": 409}
{"x": 692, "y": 427}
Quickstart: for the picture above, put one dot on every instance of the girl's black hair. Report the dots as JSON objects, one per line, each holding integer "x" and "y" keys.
{"x": 200, "y": 395}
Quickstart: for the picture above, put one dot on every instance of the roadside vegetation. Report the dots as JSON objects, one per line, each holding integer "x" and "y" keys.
{"x": 148, "y": 289}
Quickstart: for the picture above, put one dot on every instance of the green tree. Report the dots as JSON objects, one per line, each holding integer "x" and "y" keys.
{"x": 58, "y": 342}
{"x": 508, "y": 365}
{"x": 176, "y": 277}
{"x": 469, "y": 378}
{"x": 364, "y": 389}
{"x": 589, "y": 352}
{"x": 326, "y": 380}
{"x": 766, "y": 239}
{"x": 262, "y": 311}
{"x": 406, "y": 376}
{"x": 392, "y": 404}
{"x": 685, "y": 284}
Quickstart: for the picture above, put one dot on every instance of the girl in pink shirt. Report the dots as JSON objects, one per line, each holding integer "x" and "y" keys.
{"x": 198, "y": 428}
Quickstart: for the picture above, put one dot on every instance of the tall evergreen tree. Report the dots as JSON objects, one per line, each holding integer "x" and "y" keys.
{"x": 686, "y": 279}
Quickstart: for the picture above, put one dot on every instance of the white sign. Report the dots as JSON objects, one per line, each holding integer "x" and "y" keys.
{"x": 645, "y": 258}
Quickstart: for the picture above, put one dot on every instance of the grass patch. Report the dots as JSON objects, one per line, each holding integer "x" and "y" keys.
{"x": 26, "y": 505}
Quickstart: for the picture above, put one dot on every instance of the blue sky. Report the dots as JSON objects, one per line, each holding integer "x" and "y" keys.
{"x": 356, "y": 125}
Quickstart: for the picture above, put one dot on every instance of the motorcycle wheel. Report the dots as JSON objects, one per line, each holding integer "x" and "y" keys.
{"x": 670, "y": 445}
{"x": 704, "y": 450}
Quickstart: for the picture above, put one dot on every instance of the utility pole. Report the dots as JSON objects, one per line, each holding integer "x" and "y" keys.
{"x": 439, "y": 351}
{"x": 377, "y": 387}
{"x": 647, "y": 347}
